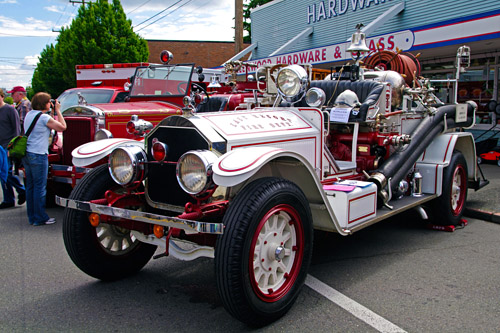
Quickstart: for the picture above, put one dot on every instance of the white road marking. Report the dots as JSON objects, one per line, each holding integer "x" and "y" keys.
{"x": 356, "y": 309}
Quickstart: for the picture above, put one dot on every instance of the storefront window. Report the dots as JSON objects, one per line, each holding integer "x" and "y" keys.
{"x": 476, "y": 85}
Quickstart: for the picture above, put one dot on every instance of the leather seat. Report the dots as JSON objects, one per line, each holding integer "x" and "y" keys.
{"x": 215, "y": 103}
{"x": 368, "y": 93}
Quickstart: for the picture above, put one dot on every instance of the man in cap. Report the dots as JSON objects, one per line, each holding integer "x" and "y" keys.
{"x": 9, "y": 128}
{"x": 23, "y": 105}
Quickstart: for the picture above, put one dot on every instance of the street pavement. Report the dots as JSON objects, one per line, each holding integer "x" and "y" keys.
{"x": 420, "y": 280}
{"x": 485, "y": 203}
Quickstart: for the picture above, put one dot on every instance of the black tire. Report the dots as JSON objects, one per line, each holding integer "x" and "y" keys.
{"x": 269, "y": 220}
{"x": 97, "y": 254}
{"x": 448, "y": 208}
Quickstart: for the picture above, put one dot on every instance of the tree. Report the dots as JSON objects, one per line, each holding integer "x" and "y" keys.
{"x": 246, "y": 17}
{"x": 99, "y": 34}
{"x": 47, "y": 74}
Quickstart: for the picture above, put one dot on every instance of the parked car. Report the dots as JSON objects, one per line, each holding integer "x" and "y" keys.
{"x": 248, "y": 187}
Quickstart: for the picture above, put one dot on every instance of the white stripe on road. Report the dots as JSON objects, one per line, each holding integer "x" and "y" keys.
{"x": 356, "y": 309}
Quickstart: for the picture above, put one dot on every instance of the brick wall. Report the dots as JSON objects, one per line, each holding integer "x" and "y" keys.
{"x": 202, "y": 53}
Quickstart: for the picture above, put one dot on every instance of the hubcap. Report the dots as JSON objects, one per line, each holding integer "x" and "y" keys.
{"x": 277, "y": 249}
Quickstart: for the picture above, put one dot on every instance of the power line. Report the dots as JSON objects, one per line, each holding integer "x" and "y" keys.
{"x": 158, "y": 13}
{"x": 14, "y": 35}
{"x": 133, "y": 10}
{"x": 165, "y": 15}
{"x": 57, "y": 22}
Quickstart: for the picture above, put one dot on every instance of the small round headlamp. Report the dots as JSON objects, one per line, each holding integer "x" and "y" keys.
{"x": 291, "y": 80}
{"x": 194, "y": 171}
{"x": 102, "y": 134}
{"x": 127, "y": 165}
{"x": 315, "y": 97}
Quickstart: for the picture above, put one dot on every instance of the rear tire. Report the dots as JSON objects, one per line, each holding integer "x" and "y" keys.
{"x": 107, "y": 252}
{"x": 449, "y": 207}
{"x": 261, "y": 260}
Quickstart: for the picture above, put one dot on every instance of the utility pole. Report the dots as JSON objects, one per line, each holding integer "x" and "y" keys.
{"x": 81, "y": 1}
{"x": 238, "y": 26}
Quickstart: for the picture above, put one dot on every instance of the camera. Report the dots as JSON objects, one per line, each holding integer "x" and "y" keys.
{"x": 53, "y": 101}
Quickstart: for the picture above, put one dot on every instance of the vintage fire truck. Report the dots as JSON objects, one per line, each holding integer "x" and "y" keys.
{"x": 156, "y": 91}
{"x": 248, "y": 187}
{"x": 100, "y": 83}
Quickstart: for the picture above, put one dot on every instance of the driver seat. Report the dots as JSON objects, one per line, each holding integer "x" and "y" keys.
{"x": 215, "y": 103}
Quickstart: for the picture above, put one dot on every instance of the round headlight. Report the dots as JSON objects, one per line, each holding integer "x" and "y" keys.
{"x": 194, "y": 171}
{"x": 315, "y": 97}
{"x": 102, "y": 134}
{"x": 127, "y": 165}
{"x": 291, "y": 80}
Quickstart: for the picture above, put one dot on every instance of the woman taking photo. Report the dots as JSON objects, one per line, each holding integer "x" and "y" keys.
{"x": 36, "y": 162}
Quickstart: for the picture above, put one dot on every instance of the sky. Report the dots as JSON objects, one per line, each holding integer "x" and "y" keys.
{"x": 27, "y": 26}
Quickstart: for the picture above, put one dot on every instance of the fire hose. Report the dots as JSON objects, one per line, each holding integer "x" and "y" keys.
{"x": 405, "y": 64}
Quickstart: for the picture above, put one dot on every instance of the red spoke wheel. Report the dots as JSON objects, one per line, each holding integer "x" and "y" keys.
{"x": 262, "y": 258}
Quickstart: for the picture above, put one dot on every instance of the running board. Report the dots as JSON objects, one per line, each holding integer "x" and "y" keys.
{"x": 398, "y": 206}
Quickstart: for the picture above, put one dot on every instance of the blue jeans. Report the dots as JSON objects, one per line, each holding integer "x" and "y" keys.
{"x": 37, "y": 168}
{"x": 8, "y": 187}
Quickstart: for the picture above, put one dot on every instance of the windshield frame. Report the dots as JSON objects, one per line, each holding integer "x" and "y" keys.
{"x": 174, "y": 90}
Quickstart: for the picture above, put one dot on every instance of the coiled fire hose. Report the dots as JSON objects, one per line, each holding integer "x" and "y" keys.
{"x": 405, "y": 64}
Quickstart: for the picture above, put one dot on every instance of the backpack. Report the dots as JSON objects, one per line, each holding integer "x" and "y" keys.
{"x": 17, "y": 146}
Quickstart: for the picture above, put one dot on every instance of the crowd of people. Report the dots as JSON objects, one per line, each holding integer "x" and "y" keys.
{"x": 35, "y": 120}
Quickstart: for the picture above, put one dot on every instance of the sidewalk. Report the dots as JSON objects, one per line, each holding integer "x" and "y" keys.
{"x": 484, "y": 204}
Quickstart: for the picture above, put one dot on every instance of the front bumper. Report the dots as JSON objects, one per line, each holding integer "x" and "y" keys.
{"x": 68, "y": 174}
{"x": 167, "y": 221}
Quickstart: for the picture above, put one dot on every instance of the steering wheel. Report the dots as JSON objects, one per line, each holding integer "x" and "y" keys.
{"x": 197, "y": 92}
{"x": 180, "y": 89}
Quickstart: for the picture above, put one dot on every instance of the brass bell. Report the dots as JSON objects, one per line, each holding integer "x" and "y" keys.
{"x": 358, "y": 41}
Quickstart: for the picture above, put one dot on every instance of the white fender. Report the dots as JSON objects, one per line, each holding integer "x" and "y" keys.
{"x": 238, "y": 165}
{"x": 92, "y": 152}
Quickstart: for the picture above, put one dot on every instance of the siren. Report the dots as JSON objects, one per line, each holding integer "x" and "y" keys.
{"x": 166, "y": 57}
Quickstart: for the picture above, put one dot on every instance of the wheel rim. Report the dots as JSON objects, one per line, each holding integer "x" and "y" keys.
{"x": 277, "y": 248}
{"x": 458, "y": 188}
{"x": 115, "y": 240}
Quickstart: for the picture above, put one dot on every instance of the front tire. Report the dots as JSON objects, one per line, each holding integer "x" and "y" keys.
{"x": 449, "y": 207}
{"x": 261, "y": 260}
{"x": 107, "y": 252}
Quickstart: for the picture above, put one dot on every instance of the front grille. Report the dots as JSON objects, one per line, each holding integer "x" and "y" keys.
{"x": 162, "y": 185}
{"x": 79, "y": 130}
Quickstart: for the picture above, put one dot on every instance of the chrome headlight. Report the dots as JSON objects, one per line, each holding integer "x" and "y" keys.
{"x": 102, "y": 134}
{"x": 194, "y": 171}
{"x": 127, "y": 165}
{"x": 292, "y": 81}
{"x": 315, "y": 97}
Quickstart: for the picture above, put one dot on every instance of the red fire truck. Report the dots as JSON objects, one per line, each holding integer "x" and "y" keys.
{"x": 100, "y": 83}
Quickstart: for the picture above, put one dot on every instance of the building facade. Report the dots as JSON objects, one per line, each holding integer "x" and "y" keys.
{"x": 318, "y": 33}
{"x": 207, "y": 54}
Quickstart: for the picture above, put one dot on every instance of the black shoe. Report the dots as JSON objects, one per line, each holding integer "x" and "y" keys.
{"x": 6, "y": 205}
{"x": 21, "y": 198}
